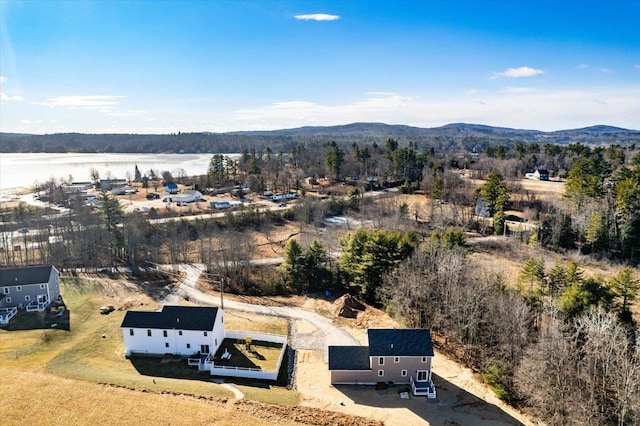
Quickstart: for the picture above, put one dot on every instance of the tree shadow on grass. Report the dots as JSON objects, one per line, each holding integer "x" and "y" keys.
{"x": 453, "y": 404}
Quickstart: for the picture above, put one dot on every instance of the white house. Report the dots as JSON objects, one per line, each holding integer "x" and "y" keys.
{"x": 31, "y": 288}
{"x": 177, "y": 330}
{"x": 187, "y": 196}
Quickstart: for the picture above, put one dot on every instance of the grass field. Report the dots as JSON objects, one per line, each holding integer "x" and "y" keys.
{"x": 93, "y": 351}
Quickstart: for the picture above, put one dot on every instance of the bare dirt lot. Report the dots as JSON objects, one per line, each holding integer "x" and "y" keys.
{"x": 462, "y": 398}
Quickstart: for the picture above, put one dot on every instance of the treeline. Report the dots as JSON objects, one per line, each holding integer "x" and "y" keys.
{"x": 562, "y": 345}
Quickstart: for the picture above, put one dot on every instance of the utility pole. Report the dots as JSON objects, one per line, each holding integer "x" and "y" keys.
{"x": 222, "y": 292}
{"x": 221, "y": 282}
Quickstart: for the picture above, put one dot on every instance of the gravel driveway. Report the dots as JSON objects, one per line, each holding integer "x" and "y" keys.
{"x": 327, "y": 335}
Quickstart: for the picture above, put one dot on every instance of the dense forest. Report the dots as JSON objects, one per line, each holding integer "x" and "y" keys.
{"x": 557, "y": 341}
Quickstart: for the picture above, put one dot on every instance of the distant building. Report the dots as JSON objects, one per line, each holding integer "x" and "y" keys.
{"x": 171, "y": 188}
{"x": 109, "y": 184}
{"x": 541, "y": 174}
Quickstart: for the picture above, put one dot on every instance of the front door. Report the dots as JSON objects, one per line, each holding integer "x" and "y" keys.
{"x": 421, "y": 376}
{"x": 204, "y": 349}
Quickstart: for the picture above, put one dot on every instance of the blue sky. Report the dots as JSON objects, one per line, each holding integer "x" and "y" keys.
{"x": 164, "y": 66}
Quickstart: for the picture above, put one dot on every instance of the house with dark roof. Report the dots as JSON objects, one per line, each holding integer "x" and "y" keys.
{"x": 178, "y": 330}
{"x": 393, "y": 356}
{"x": 541, "y": 174}
{"x": 31, "y": 288}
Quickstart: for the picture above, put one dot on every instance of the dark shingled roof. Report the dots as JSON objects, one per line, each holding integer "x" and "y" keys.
{"x": 400, "y": 342}
{"x": 179, "y": 317}
{"x": 349, "y": 358}
{"x": 25, "y": 276}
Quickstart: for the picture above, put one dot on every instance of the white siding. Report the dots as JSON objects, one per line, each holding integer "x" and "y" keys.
{"x": 140, "y": 342}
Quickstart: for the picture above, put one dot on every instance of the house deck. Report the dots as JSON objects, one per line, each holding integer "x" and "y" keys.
{"x": 423, "y": 388}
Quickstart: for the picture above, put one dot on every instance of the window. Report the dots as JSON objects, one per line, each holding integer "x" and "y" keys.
{"x": 8, "y": 299}
{"x": 205, "y": 334}
{"x": 421, "y": 375}
{"x": 424, "y": 359}
{"x": 396, "y": 359}
{"x": 380, "y": 373}
{"x": 42, "y": 286}
{"x": 381, "y": 361}
{"x": 403, "y": 373}
{"x": 166, "y": 345}
{"x": 6, "y": 290}
{"x": 27, "y": 298}
{"x": 164, "y": 333}
{"x": 19, "y": 288}
{"x": 131, "y": 332}
{"x": 188, "y": 345}
{"x": 179, "y": 332}
{"x": 149, "y": 333}
{"x": 216, "y": 342}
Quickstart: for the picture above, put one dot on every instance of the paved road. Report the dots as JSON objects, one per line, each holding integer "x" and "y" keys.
{"x": 328, "y": 334}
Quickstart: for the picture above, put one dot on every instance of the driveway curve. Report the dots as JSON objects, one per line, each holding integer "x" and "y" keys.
{"x": 329, "y": 334}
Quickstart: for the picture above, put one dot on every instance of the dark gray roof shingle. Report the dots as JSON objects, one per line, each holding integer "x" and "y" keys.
{"x": 25, "y": 276}
{"x": 400, "y": 342}
{"x": 178, "y": 317}
{"x": 348, "y": 358}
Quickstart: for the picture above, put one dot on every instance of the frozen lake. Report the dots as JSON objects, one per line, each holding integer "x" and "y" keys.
{"x": 24, "y": 170}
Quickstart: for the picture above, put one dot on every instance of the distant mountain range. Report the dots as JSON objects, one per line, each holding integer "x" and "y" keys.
{"x": 463, "y": 135}
{"x": 454, "y": 129}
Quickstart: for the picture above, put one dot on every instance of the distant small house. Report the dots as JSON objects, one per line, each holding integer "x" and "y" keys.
{"x": 481, "y": 208}
{"x": 541, "y": 174}
{"x": 187, "y": 196}
{"x": 220, "y": 205}
{"x": 393, "y": 356}
{"x": 171, "y": 188}
{"x": 123, "y": 190}
{"x": 177, "y": 330}
{"x": 109, "y": 184}
{"x": 31, "y": 288}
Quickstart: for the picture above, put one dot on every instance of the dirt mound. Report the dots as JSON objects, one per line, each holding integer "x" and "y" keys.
{"x": 130, "y": 304}
{"x": 348, "y": 306}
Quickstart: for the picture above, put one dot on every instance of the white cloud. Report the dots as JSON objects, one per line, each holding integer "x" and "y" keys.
{"x": 380, "y": 93}
{"x": 606, "y": 70}
{"x": 519, "y": 72}
{"x": 5, "y": 97}
{"x": 99, "y": 102}
{"x": 128, "y": 113}
{"x": 317, "y": 17}
{"x": 637, "y": 66}
{"x": 3, "y": 79}
{"x": 520, "y": 90}
{"x": 582, "y": 66}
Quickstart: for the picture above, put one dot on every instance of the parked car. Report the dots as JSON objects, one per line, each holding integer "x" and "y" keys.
{"x": 153, "y": 196}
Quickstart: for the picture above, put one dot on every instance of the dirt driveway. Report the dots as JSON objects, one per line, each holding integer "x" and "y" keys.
{"x": 462, "y": 399}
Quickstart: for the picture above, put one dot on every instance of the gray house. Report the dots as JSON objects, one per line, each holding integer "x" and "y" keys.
{"x": 31, "y": 288}
{"x": 393, "y": 356}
